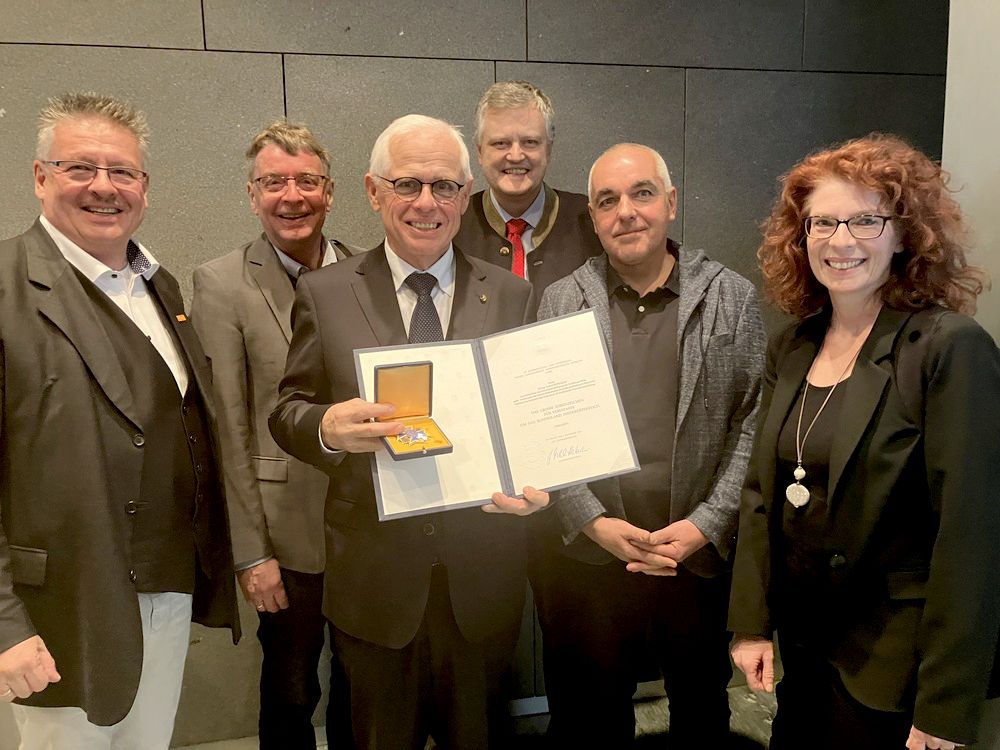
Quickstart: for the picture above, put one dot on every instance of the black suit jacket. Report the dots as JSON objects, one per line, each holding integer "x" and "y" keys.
{"x": 378, "y": 574}
{"x": 563, "y": 239}
{"x": 70, "y": 459}
{"x": 913, "y": 530}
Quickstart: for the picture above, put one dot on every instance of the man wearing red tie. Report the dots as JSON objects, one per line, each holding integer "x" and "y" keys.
{"x": 520, "y": 223}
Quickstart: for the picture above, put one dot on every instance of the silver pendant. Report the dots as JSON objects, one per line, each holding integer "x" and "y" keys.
{"x": 797, "y": 494}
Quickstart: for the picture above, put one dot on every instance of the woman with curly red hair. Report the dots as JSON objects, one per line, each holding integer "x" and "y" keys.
{"x": 870, "y": 528}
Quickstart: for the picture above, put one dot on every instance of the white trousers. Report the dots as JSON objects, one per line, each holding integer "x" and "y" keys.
{"x": 166, "y": 629}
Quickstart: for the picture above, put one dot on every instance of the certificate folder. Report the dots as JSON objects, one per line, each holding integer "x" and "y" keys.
{"x": 536, "y": 405}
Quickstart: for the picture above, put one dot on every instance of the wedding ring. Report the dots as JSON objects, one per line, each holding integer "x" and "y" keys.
{"x": 7, "y": 693}
{"x": 260, "y": 605}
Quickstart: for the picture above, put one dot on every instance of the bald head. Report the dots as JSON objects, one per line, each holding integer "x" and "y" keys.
{"x": 631, "y": 150}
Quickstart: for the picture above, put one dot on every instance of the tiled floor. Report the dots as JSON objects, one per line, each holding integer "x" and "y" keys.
{"x": 751, "y": 722}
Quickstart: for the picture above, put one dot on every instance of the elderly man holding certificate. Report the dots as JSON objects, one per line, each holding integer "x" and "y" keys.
{"x": 424, "y": 651}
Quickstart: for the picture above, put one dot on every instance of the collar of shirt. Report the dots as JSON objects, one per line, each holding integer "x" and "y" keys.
{"x": 672, "y": 285}
{"x": 293, "y": 268}
{"x": 443, "y": 270}
{"x": 533, "y": 215}
{"x": 87, "y": 264}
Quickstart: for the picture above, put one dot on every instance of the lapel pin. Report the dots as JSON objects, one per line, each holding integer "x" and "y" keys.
{"x": 181, "y": 318}
{"x": 482, "y": 298}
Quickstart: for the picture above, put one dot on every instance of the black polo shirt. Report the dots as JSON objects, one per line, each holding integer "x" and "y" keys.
{"x": 644, "y": 343}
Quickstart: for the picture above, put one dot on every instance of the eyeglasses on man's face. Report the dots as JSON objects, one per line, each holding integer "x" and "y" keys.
{"x": 304, "y": 183}
{"x": 409, "y": 188}
{"x": 862, "y": 226}
{"x": 84, "y": 172}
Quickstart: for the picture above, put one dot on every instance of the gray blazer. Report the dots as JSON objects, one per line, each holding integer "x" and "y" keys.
{"x": 242, "y": 310}
{"x": 720, "y": 351}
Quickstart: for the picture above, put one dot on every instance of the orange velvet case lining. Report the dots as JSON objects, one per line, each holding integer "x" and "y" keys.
{"x": 409, "y": 387}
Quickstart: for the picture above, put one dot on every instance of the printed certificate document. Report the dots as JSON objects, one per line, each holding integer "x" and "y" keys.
{"x": 536, "y": 405}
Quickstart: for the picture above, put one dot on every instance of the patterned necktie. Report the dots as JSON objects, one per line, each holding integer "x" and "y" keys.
{"x": 425, "y": 325}
{"x": 137, "y": 260}
{"x": 515, "y": 228}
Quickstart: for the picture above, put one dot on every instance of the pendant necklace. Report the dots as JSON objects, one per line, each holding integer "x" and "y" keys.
{"x": 797, "y": 493}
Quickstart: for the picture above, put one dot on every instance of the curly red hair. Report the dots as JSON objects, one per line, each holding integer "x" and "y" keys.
{"x": 932, "y": 267}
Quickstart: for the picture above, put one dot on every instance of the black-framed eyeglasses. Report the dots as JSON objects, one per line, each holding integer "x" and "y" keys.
{"x": 409, "y": 188}
{"x": 85, "y": 172}
{"x": 862, "y": 226}
{"x": 304, "y": 183}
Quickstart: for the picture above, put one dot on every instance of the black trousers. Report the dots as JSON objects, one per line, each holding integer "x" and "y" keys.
{"x": 815, "y": 710}
{"x": 439, "y": 685}
{"x": 292, "y": 642}
{"x": 597, "y": 622}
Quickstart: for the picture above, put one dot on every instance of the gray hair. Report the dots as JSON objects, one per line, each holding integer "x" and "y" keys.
{"x": 513, "y": 95}
{"x": 290, "y": 137}
{"x": 380, "y": 162}
{"x": 661, "y": 166}
{"x": 90, "y": 105}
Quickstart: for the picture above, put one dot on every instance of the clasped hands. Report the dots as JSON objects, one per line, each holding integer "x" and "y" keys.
{"x": 352, "y": 426}
{"x": 655, "y": 553}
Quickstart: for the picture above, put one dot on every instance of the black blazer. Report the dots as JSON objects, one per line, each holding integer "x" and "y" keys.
{"x": 379, "y": 573}
{"x": 913, "y": 532}
{"x": 70, "y": 459}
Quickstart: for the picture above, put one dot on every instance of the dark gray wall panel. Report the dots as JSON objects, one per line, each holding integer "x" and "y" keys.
{"x": 745, "y": 128}
{"x": 202, "y": 108}
{"x": 482, "y": 30}
{"x": 598, "y": 106}
{"x": 348, "y": 101}
{"x": 133, "y": 23}
{"x": 710, "y": 33}
{"x": 889, "y": 36}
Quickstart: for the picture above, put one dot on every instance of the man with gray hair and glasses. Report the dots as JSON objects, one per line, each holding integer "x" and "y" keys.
{"x": 519, "y": 222}
{"x": 425, "y": 609}
{"x": 113, "y": 531}
{"x": 242, "y": 310}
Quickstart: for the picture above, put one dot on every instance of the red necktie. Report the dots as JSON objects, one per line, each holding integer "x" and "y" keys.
{"x": 515, "y": 228}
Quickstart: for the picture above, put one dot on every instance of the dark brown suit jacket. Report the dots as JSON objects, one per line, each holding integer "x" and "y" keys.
{"x": 242, "y": 309}
{"x": 912, "y": 607}
{"x": 70, "y": 459}
{"x": 379, "y": 573}
{"x": 563, "y": 239}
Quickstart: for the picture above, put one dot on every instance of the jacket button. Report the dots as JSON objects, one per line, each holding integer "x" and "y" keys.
{"x": 505, "y": 251}
{"x": 130, "y": 507}
{"x": 132, "y": 576}
{"x": 138, "y": 440}
{"x": 838, "y": 561}
{"x": 428, "y": 529}
{"x": 193, "y": 438}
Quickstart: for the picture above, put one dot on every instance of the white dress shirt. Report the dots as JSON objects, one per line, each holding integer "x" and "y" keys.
{"x": 295, "y": 269}
{"x": 128, "y": 290}
{"x": 442, "y": 294}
